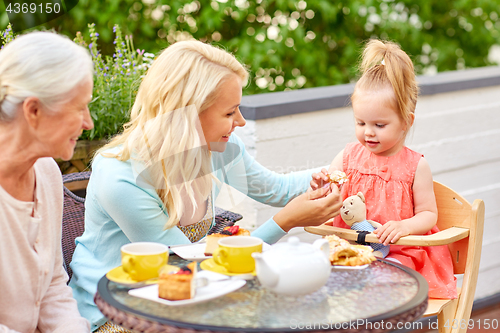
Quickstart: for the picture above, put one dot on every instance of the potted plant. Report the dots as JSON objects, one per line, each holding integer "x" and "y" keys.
{"x": 116, "y": 79}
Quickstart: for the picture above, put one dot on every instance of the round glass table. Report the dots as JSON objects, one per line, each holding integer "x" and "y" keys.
{"x": 382, "y": 297}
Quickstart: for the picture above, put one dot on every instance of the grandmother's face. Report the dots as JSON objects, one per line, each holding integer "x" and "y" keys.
{"x": 221, "y": 118}
{"x": 59, "y": 129}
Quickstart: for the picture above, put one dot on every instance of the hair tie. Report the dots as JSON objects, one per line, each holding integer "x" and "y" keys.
{"x": 3, "y": 93}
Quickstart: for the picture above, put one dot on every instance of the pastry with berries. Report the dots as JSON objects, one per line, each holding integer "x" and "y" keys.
{"x": 178, "y": 285}
{"x": 213, "y": 239}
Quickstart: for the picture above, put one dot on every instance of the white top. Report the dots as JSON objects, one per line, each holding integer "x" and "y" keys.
{"x": 34, "y": 296}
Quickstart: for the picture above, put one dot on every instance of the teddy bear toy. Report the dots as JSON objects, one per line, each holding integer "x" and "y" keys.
{"x": 353, "y": 213}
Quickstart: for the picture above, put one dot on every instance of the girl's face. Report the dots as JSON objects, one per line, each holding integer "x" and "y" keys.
{"x": 221, "y": 118}
{"x": 378, "y": 125}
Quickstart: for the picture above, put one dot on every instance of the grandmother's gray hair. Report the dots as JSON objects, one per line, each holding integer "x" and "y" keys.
{"x": 40, "y": 64}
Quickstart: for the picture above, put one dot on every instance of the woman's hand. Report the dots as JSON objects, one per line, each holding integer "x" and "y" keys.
{"x": 320, "y": 179}
{"x": 310, "y": 209}
{"x": 392, "y": 231}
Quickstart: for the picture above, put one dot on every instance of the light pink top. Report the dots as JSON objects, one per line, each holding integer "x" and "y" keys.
{"x": 34, "y": 296}
{"x": 387, "y": 184}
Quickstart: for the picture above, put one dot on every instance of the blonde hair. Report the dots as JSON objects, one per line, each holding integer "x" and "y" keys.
{"x": 385, "y": 65}
{"x": 40, "y": 64}
{"x": 164, "y": 131}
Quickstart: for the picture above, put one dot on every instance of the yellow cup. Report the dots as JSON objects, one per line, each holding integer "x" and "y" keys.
{"x": 235, "y": 253}
{"x": 143, "y": 260}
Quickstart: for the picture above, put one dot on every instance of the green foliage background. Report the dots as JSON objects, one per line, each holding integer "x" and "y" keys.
{"x": 294, "y": 44}
{"x": 291, "y": 44}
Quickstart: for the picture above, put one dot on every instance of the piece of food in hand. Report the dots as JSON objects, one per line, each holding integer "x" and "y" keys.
{"x": 338, "y": 178}
{"x": 178, "y": 285}
{"x": 343, "y": 253}
{"x": 213, "y": 239}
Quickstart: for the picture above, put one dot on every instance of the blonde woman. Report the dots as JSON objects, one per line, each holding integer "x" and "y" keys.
{"x": 158, "y": 180}
{"x": 45, "y": 86}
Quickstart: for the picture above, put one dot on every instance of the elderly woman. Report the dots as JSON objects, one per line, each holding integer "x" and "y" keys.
{"x": 158, "y": 180}
{"x": 45, "y": 86}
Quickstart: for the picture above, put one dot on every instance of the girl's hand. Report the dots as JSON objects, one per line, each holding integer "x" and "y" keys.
{"x": 320, "y": 179}
{"x": 392, "y": 231}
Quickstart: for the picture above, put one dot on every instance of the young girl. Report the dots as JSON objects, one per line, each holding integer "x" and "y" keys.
{"x": 396, "y": 181}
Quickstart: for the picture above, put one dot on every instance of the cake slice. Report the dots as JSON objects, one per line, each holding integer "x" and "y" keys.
{"x": 213, "y": 239}
{"x": 175, "y": 286}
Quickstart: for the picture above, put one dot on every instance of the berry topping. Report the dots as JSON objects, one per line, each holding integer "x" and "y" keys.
{"x": 234, "y": 229}
{"x": 184, "y": 270}
{"x": 226, "y": 232}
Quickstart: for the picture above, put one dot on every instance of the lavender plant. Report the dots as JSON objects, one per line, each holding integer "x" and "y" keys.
{"x": 7, "y": 35}
{"x": 116, "y": 80}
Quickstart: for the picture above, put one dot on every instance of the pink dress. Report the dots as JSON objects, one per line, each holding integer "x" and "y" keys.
{"x": 386, "y": 183}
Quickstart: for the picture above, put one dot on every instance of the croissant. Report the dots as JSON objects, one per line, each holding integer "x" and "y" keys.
{"x": 344, "y": 254}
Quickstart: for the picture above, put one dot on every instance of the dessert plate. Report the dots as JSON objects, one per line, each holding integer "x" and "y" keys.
{"x": 193, "y": 252}
{"x": 218, "y": 286}
{"x": 196, "y": 252}
{"x": 348, "y": 268}
{"x": 211, "y": 265}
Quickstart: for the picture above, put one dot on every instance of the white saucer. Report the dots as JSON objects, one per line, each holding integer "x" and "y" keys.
{"x": 196, "y": 252}
{"x": 348, "y": 268}
{"x": 218, "y": 286}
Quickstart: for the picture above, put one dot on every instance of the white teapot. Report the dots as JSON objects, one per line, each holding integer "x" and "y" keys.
{"x": 294, "y": 268}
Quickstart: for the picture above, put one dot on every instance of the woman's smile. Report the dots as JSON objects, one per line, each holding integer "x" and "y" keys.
{"x": 226, "y": 137}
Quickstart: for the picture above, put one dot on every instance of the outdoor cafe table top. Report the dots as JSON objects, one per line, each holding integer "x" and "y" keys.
{"x": 376, "y": 299}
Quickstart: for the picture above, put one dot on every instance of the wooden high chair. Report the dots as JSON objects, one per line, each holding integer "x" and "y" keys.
{"x": 461, "y": 226}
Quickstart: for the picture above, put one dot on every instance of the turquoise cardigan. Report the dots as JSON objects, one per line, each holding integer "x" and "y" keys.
{"x": 119, "y": 211}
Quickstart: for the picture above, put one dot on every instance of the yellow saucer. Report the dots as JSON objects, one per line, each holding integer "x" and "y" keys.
{"x": 211, "y": 265}
{"x": 118, "y": 275}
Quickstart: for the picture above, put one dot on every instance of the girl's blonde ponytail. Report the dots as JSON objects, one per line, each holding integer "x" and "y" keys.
{"x": 384, "y": 65}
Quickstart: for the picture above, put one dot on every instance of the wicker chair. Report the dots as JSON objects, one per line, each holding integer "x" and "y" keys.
{"x": 75, "y": 185}
{"x": 74, "y": 188}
